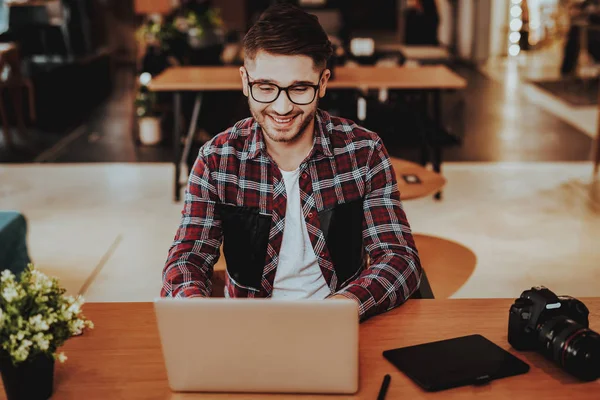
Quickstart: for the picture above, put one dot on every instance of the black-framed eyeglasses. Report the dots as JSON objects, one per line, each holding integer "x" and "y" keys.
{"x": 300, "y": 94}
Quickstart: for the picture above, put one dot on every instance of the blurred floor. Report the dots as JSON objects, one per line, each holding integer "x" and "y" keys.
{"x": 515, "y": 73}
{"x": 527, "y": 223}
{"x": 106, "y": 136}
{"x": 503, "y": 125}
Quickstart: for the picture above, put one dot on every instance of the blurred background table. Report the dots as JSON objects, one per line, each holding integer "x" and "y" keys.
{"x": 431, "y": 79}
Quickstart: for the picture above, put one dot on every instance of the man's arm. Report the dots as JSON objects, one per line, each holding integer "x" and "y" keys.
{"x": 395, "y": 269}
{"x": 195, "y": 249}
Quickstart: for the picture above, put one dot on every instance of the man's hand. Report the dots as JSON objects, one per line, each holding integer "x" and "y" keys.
{"x": 337, "y": 296}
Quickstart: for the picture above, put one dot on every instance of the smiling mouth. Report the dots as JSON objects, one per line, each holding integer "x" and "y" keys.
{"x": 282, "y": 121}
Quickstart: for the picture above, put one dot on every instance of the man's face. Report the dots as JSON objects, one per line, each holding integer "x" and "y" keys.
{"x": 282, "y": 120}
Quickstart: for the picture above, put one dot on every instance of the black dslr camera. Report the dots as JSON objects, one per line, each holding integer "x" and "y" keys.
{"x": 557, "y": 327}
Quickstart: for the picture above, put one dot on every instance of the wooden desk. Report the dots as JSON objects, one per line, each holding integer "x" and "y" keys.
{"x": 121, "y": 357}
{"x": 432, "y": 79}
{"x": 416, "y": 52}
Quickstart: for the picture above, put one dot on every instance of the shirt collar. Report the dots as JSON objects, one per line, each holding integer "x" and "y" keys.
{"x": 321, "y": 143}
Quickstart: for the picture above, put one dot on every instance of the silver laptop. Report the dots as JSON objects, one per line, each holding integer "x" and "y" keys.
{"x": 259, "y": 345}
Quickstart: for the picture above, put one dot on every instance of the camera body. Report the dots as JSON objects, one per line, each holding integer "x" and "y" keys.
{"x": 534, "y": 308}
{"x": 558, "y": 328}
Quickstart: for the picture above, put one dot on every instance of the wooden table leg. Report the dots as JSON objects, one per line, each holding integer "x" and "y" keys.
{"x": 17, "y": 98}
{"x": 5, "y": 123}
{"x": 597, "y": 157}
{"x": 438, "y": 124}
{"x": 597, "y": 144}
{"x": 177, "y": 144}
{"x": 189, "y": 139}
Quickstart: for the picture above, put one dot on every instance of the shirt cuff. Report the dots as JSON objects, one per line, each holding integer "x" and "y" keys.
{"x": 190, "y": 291}
{"x": 360, "y": 294}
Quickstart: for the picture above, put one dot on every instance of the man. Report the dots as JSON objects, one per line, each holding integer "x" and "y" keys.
{"x": 305, "y": 204}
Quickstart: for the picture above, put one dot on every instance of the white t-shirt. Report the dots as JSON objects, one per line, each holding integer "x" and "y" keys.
{"x": 298, "y": 274}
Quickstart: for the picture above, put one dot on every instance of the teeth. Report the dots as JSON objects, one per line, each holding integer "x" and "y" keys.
{"x": 282, "y": 121}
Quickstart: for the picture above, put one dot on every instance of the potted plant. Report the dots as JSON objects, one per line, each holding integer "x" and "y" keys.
{"x": 149, "y": 131}
{"x": 176, "y": 38}
{"x": 202, "y": 27}
{"x": 36, "y": 318}
{"x": 154, "y": 31}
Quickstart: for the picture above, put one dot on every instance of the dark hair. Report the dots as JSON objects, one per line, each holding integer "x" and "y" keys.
{"x": 285, "y": 29}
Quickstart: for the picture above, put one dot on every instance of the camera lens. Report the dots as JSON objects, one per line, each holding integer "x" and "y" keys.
{"x": 572, "y": 346}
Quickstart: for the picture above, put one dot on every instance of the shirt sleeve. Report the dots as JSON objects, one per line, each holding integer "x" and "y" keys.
{"x": 394, "y": 272}
{"x": 195, "y": 249}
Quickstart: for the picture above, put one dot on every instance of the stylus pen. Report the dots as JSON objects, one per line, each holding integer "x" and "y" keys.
{"x": 384, "y": 387}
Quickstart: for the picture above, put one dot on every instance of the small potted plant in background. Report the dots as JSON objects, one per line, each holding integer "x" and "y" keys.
{"x": 36, "y": 318}
{"x": 149, "y": 131}
{"x": 180, "y": 37}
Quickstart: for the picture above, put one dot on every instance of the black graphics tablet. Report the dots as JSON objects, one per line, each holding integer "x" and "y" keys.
{"x": 461, "y": 361}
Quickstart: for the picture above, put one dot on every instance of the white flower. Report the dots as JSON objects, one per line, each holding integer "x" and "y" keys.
{"x": 74, "y": 308}
{"x": 156, "y": 18}
{"x": 61, "y": 357}
{"x": 51, "y": 317}
{"x": 76, "y": 327}
{"x": 42, "y": 342}
{"x": 22, "y": 351}
{"x": 38, "y": 324}
{"x": 48, "y": 283}
{"x": 21, "y": 354}
{"x": 10, "y": 293}
{"x": 181, "y": 24}
{"x": 35, "y": 320}
{"x": 6, "y": 275}
{"x": 37, "y": 276}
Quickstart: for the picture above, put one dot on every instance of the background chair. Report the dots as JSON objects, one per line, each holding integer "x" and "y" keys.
{"x": 449, "y": 265}
{"x": 11, "y": 78}
{"x": 43, "y": 29}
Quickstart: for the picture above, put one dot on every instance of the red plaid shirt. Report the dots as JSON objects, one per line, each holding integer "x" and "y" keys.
{"x": 347, "y": 163}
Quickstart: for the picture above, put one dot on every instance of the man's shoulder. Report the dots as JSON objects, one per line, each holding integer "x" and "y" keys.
{"x": 343, "y": 131}
{"x": 233, "y": 138}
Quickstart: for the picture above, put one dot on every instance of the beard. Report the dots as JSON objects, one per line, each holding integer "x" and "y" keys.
{"x": 288, "y": 134}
